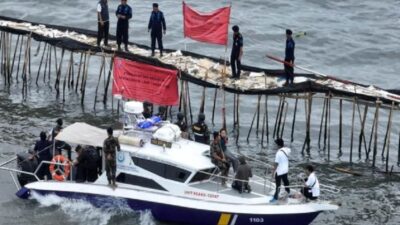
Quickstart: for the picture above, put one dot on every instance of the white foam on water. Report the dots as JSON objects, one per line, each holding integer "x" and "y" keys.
{"x": 146, "y": 218}
{"x": 88, "y": 214}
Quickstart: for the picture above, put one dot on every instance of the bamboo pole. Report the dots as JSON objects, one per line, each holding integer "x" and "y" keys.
{"x": 19, "y": 58}
{"x": 389, "y": 132}
{"x": 322, "y": 121}
{"x": 371, "y": 136}
{"x": 70, "y": 69}
{"x": 378, "y": 102}
{"x": 108, "y": 79}
{"x": 189, "y": 102}
{"x": 284, "y": 118}
{"x": 307, "y": 141}
{"x": 58, "y": 75}
{"x": 258, "y": 114}
{"x": 340, "y": 126}
{"x": 234, "y": 110}
{"x": 329, "y": 126}
{"x": 388, "y": 128}
{"x": 84, "y": 79}
{"x": 362, "y": 135}
{"x": 102, "y": 67}
{"x": 213, "y": 109}
{"x": 40, "y": 64}
{"x": 83, "y": 58}
{"x": 277, "y": 117}
{"x": 294, "y": 119}
{"x": 266, "y": 118}
{"x": 352, "y": 129}
{"x": 251, "y": 126}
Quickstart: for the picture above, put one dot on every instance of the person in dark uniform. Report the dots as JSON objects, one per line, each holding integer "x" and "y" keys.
{"x": 242, "y": 175}
{"x": 103, "y": 18}
{"x": 110, "y": 146}
{"x": 86, "y": 164}
{"x": 218, "y": 157}
{"x": 147, "y": 110}
{"x": 124, "y": 13}
{"x": 79, "y": 163}
{"x": 43, "y": 152}
{"x": 60, "y": 145}
{"x": 200, "y": 130}
{"x": 157, "y": 27}
{"x": 237, "y": 52}
{"x": 181, "y": 122}
{"x": 162, "y": 112}
{"x": 289, "y": 57}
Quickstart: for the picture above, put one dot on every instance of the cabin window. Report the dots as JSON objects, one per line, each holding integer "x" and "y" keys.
{"x": 162, "y": 169}
{"x": 202, "y": 175}
{"x": 138, "y": 181}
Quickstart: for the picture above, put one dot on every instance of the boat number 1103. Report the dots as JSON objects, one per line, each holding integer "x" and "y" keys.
{"x": 256, "y": 220}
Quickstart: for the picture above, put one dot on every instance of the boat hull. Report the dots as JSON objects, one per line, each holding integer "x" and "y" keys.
{"x": 183, "y": 215}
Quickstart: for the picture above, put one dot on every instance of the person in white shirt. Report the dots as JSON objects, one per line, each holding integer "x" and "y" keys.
{"x": 281, "y": 168}
{"x": 311, "y": 185}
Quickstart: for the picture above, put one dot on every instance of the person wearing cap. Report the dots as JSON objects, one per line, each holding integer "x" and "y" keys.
{"x": 281, "y": 168}
{"x": 43, "y": 152}
{"x": 157, "y": 27}
{"x": 311, "y": 185}
{"x": 242, "y": 176}
{"x": 103, "y": 18}
{"x": 236, "y": 53}
{"x": 124, "y": 14}
{"x": 110, "y": 147}
{"x": 181, "y": 122}
{"x": 60, "y": 145}
{"x": 200, "y": 130}
{"x": 218, "y": 157}
{"x": 289, "y": 57}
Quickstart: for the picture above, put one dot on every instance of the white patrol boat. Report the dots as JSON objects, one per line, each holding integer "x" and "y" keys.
{"x": 173, "y": 178}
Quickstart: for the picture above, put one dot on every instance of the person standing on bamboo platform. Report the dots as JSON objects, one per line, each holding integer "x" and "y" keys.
{"x": 289, "y": 57}
{"x": 237, "y": 52}
{"x": 124, "y": 14}
{"x": 103, "y": 18}
{"x": 157, "y": 27}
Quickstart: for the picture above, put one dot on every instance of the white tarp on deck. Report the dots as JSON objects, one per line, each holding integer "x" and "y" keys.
{"x": 83, "y": 134}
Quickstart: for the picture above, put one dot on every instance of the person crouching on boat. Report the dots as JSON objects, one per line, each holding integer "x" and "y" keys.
{"x": 218, "y": 157}
{"x": 281, "y": 168}
{"x": 110, "y": 146}
{"x": 311, "y": 185}
{"x": 242, "y": 175}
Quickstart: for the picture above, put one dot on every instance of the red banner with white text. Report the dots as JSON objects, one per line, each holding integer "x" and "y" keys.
{"x": 144, "y": 82}
{"x": 207, "y": 27}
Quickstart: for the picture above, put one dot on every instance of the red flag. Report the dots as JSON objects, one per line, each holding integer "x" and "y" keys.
{"x": 144, "y": 82}
{"x": 207, "y": 27}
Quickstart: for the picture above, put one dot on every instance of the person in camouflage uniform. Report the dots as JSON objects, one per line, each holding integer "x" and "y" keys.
{"x": 110, "y": 146}
{"x": 218, "y": 157}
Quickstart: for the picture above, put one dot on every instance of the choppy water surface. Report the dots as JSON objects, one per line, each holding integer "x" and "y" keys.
{"x": 357, "y": 40}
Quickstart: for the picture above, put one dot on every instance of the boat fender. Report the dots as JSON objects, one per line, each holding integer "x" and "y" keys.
{"x": 61, "y": 172}
{"x": 134, "y": 141}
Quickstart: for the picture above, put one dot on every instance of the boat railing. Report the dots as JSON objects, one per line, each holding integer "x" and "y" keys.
{"x": 16, "y": 171}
